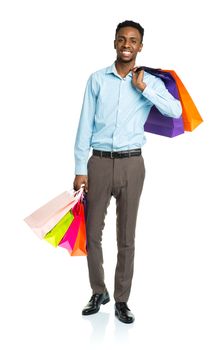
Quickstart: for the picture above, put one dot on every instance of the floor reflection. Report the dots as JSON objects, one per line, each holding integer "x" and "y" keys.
{"x": 119, "y": 335}
{"x": 99, "y": 324}
{"x": 121, "y": 332}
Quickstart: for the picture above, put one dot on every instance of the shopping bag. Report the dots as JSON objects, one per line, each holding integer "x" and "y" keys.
{"x": 156, "y": 122}
{"x": 80, "y": 247}
{"x": 45, "y": 218}
{"x": 69, "y": 239}
{"x": 75, "y": 239}
{"x": 166, "y": 126}
{"x": 55, "y": 235}
{"x": 190, "y": 114}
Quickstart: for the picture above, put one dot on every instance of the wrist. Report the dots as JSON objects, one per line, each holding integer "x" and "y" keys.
{"x": 142, "y": 86}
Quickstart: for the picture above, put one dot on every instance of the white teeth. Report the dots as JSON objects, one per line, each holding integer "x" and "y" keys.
{"x": 127, "y": 53}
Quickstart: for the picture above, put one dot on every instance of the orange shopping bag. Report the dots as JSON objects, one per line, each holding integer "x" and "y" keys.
{"x": 191, "y": 116}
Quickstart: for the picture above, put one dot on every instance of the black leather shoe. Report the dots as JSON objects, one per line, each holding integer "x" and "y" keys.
{"x": 123, "y": 312}
{"x": 95, "y": 302}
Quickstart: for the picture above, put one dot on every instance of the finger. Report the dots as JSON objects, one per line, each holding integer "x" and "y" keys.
{"x": 141, "y": 75}
{"x": 85, "y": 186}
{"x": 134, "y": 79}
{"x": 134, "y": 75}
{"x": 134, "y": 69}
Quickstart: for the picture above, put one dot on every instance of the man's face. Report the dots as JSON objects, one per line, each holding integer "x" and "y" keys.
{"x": 127, "y": 44}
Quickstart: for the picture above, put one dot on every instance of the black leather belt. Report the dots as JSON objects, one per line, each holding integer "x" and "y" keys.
{"x": 120, "y": 154}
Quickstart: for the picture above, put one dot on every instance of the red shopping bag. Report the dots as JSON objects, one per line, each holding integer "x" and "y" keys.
{"x": 74, "y": 239}
{"x": 80, "y": 247}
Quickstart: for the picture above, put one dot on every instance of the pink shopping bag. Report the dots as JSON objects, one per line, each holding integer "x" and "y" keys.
{"x": 69, "y": 239}
{"x": 46, "y": 217}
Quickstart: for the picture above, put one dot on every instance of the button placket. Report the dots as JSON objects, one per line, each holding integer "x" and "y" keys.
{"x": 117, "y": 116}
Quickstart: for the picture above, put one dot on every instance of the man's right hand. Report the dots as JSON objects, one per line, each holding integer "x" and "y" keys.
{"x": 80, "y": 180}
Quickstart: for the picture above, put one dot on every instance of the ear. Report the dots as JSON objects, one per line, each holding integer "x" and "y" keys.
{"x": 140, "y": 48}
{"x": 115, "y": 44}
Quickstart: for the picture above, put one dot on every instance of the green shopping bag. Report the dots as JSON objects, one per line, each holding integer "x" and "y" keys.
{"x": 55, "y": 235}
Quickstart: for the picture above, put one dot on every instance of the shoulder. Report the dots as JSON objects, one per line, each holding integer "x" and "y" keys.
{"x": 150, "y": 77}
{"x": 100, "y": 73}
{"x": 152, "y": 80}
{"x": 95, "y": 80}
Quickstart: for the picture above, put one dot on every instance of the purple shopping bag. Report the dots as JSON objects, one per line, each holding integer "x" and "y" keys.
{"x": 157, "y": 123}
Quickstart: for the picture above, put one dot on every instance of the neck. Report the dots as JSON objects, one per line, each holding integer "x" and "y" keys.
{"x": 123, "y": 68}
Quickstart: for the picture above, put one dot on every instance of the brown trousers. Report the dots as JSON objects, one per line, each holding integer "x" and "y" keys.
{"x": 122, "y": 178}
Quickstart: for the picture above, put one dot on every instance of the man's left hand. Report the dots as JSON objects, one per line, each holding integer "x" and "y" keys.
{"x": 137, "y": 79}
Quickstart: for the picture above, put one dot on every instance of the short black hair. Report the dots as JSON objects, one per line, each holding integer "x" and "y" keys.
{"x": 130, "y": 24}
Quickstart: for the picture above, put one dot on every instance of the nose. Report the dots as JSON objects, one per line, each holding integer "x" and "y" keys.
{"x": 126, "y": 45}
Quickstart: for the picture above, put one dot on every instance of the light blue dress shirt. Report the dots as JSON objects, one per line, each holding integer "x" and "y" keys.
{"x": 114, "y": 113}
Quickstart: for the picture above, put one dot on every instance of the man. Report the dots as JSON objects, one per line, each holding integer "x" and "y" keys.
{"x": 115, "y": 108}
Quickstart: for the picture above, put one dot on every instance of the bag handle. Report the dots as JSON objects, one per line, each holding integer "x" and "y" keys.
{"x": 79, "y": 194}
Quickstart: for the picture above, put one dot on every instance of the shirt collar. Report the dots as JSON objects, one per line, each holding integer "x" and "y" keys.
{"x": 112, "y": 70}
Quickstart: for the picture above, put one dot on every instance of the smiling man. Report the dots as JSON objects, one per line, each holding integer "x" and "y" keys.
{"x": 116, "y": 104}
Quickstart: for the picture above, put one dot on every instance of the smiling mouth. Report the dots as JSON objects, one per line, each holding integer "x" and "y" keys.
{"x": 126, "y": 53}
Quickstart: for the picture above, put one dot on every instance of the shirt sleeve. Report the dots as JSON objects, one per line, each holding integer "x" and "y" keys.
{"x": 157, "y": 93}
{"x": 85, "y": 128}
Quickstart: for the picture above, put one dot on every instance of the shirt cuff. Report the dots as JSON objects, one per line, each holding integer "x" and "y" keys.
{"x": 81, "y": 168}
{"x": 148, "y": 93}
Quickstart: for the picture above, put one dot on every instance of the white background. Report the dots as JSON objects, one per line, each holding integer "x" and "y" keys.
{"x": 48, "y": 50}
